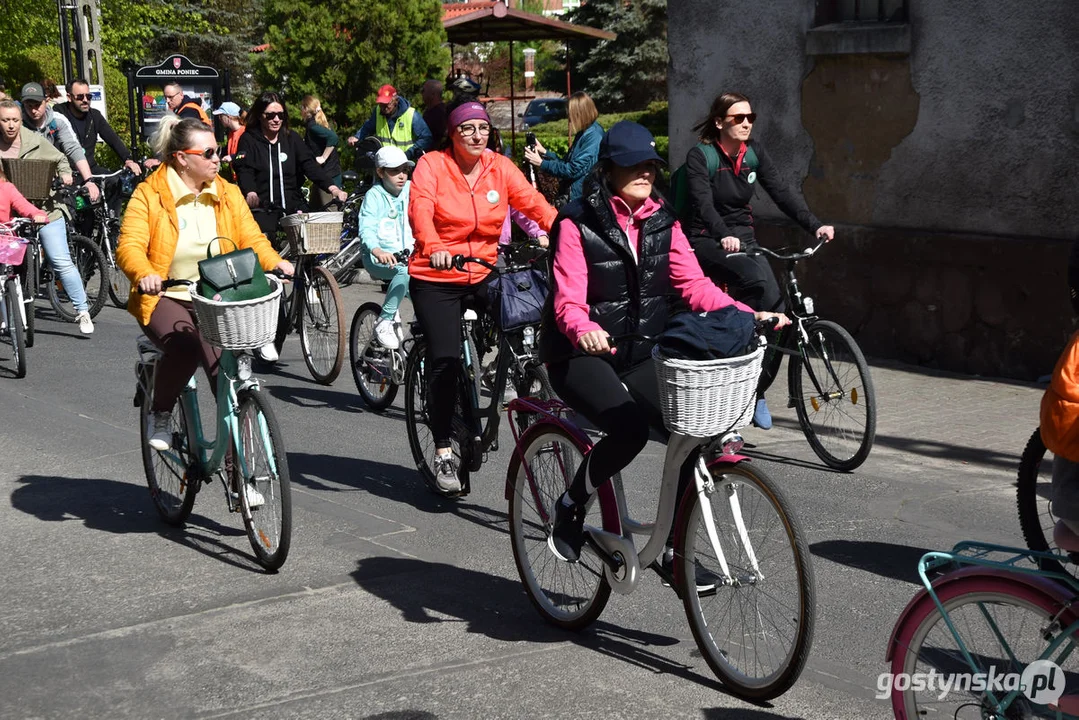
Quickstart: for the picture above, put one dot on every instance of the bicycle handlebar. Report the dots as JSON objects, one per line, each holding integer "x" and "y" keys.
{"x": 459, "y": 262}
{"x": 800, "y": 255}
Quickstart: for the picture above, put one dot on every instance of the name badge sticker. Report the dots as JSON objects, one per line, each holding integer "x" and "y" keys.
{"x": 752, "y": 177}
{"x": 492, "y": 197}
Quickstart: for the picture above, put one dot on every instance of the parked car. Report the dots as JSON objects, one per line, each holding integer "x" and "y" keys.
{"x": 543, "y": 110}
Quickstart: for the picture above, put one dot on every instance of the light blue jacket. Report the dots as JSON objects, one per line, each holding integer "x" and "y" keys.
{"x": 384, "y": 220}
{"x": 582, "y": 155}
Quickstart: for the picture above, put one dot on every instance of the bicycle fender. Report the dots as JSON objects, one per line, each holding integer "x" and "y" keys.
{"x": 727, "y": 460}
{"x": 1035, "y": 582}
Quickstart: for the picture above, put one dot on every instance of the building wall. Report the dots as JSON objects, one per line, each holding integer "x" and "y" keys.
{"x": 939, "y": 162}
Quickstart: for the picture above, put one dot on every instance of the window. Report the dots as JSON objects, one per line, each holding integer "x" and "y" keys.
{"x": 860, "y": 11}
{"x": 859, "y": 27}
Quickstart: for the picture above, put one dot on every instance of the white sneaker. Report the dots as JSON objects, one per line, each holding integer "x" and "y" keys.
{"x": 254, "y": 497}
{"x": 386, "y": 334}
{"x": 160, "y": 430}
{"x": 267, "y": 353}
{"x": 86, "y": 323}
{"x": 446, "y": 473}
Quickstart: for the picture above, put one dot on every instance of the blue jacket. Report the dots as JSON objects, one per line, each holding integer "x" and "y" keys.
{"x": 384, "y": 220}
{"x": 583, "y": 154}
{"x": 422, "y": 138}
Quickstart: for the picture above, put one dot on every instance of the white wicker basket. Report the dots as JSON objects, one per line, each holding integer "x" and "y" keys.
{"x": 314, "y": 233}
{"x": 707, "y": 398}
{"x": 243, "y": 325}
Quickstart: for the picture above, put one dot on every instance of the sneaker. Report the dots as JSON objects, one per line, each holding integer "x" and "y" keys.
{"x": 706, "y": 579}
{"x": 254, "y": 497}
{"x": 267, "y": 353}
{"x": 161, "y": 430}
{"x": 446, "y": 473}
{"x": 386, "y": 334}
{"x": 762, "y": 418}
{"x": 86, "y": 323}
{"x": 567, "y": 535}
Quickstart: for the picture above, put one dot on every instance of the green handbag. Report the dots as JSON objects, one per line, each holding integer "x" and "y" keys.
{"x": 232, "y": 277}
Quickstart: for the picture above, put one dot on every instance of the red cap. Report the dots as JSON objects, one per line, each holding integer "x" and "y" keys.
{"x": 386, "y": 94}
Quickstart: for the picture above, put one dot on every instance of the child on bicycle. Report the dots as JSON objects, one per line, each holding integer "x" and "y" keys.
{"x": 384, "y": 230}
{"x": 12, "y": 200}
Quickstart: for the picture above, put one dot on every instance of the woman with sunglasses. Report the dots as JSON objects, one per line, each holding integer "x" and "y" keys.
{"x": 459, "y": 200}
{"x": 168, "y": 226}
{"x": 271, "y": 163}
{"x": 720, "y": 219}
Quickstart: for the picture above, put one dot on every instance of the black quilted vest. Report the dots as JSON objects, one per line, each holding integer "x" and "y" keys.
{"x": 623, "y": 296}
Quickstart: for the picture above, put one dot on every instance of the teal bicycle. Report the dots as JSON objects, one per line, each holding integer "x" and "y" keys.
{"x": 247, "y": 452}
{"x": 993, "y": 637}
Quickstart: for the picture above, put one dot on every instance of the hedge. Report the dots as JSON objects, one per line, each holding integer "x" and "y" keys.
{"x": 654, "y": 118}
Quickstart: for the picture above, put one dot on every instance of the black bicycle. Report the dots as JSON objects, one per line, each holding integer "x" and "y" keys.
{"x": 101, "y": 224}
{"x": 828, "y": 379}
{"x": 476, "y": 415}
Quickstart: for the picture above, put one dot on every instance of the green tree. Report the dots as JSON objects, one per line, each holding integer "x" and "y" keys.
{"x": 631, "y": 71}
{"x": 343, "y": 51}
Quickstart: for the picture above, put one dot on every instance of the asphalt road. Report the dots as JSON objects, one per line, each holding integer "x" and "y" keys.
{"x": 395, "y": 603}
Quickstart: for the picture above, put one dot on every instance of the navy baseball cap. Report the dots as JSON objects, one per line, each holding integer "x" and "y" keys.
{"x": 628, "y": 143}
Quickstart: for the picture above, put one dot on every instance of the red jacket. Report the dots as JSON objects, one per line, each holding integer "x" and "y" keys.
{"x": 445, "y": 214}
{"x": 1060, "y": 405}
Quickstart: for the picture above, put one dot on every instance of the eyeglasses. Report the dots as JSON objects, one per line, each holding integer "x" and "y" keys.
{"x": 210, "y": 152}
{"x": 274, "y": 115}
{"x": 85, "y": 96}
{"x": 470, "y": 130}
{"x": 742, "y": 117}
{"x": 174, "y": 95}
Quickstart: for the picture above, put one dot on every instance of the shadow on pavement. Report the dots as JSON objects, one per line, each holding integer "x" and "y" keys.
{"x": 402, "y": 715}
{"x": 317, "y": 396}
{"x": 898, "y": 562}
{"x": 496, "y": 607}
{"x": 741, "y": 714}
{"x": 121, "y": 508}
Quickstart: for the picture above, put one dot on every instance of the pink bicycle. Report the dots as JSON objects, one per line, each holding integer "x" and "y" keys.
{"x": 754, "y": 622}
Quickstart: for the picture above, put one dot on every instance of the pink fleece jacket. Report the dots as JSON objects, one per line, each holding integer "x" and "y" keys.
{"x": 571, "y": 271}
{"x": 12, "y": 199}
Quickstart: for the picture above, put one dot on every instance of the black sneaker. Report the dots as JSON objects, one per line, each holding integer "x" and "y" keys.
{"x": 567, "y": 535}
{"x": 706, "y": 579}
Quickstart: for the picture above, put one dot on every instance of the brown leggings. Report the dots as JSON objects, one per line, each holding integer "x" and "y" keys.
{"x": 172, "y": 329}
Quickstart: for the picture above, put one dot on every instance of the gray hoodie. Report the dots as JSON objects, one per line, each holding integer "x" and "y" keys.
{"x": 57, "y": 130}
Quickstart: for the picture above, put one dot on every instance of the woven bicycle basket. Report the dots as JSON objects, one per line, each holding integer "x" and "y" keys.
{"x": 243, "y": 325}
{"x": 316, "y": 233}
{"x": 32, "y": 178}
{"x": 710, "y": 397}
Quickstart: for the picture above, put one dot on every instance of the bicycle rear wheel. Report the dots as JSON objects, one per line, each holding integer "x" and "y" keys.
{"x": 269, "y": 523}
{"x": 119, "y": 285}
{"x": 13, "y": 333}
{"x": 94, "y": 271}
{"x": 756, "y": 633}
{"x": 372, "y": 364}
{"x": 568, "y": 595}
{"x": 170, "y": 473}
{"x": 421, "y": 441}
{"x": 838, "y": 412}
{"x": 322, "y": 326}
{"x": 1001, "y": 622}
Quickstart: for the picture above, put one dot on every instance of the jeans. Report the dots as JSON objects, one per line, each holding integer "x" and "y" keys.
{"x": 54, "y": 240}
{"x": 398, "y": 279}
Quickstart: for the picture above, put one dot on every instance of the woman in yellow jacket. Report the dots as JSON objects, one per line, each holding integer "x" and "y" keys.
{"x": 168, "y": 226}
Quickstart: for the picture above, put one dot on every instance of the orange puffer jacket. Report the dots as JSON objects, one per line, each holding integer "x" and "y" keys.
{"x": 445, "y": 214}
{"x": 1060, "y": 405}
{"x": 150, "y": 232}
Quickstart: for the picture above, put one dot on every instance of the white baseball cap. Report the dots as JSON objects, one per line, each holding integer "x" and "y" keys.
{"x": 392, "y": 157}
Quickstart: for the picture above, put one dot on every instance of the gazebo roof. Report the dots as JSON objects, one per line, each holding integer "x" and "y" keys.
{"x": 492, "y": 21}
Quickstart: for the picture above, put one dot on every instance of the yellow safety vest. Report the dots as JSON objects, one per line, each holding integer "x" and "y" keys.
{"x": 401, "y": 135}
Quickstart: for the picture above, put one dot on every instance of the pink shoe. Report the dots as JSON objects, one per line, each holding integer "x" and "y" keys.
{"x": 1065, "y": 538}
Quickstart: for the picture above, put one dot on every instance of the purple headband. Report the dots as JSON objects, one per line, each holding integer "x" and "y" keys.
{"x": 468, "y": 111}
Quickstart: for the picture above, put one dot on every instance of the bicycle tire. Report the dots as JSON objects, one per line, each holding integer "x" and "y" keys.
{"x": 172, "y": 482}
{"x": 370, "y": 362}
{"x": 94, "y": 271}
{"x": 29, "y": 289}
{"x": 269, "y": 526}
{"x": 421, "y": 441}
{"x": 1033, "y": 500}
{"x": 322, "y": 326}
{"x": 535, "y": 384}
{"x": 839, "y": 444}
{"x": 15, "y": 332}
{"x": 788, "y": 561}
{"x": 986, "y": 593}
{"x": 572, "y": 603}
{"x": 471, "y": 386}
{"x": 119, "y": 285}
{"x": 284, "y": 315}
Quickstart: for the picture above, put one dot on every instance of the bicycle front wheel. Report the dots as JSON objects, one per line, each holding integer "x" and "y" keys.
{"x": 568, "y": 595}
{"x": 322, "y": 326}
{"x": 170, "y": 473}
{"x": 94, "y": 272}
{"x": 1004, "y": 624}
{"x": 29, "y": 290}
{"x": 13, "y": 333}
{"x": 421, "y": 440}
{"x": 371, "y": 363}
{"x": 534, "y": 384}
{"x": 755, "y": 631}
{"x": 833, "y": 396}
{"x": 1034, "y": 493}
{"x": 264, "y": 492}
{"x": 119, "y": 285}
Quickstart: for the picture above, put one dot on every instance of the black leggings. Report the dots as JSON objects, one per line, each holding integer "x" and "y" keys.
{"x": 748, "y": 279}
{"x": 439, "y": 307}
{"x": 591, "y": 386}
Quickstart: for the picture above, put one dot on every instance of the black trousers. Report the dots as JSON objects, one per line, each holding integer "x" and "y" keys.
{"x": 748, "y": 279}
{"x": 439, "y": 307}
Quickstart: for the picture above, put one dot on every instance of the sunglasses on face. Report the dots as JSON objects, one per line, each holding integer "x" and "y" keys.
{"x": 470, "y": 130}
{"x": 85, "y": 96}
{"x": 274, "y": 115}
{"x": 207, "y": 154}
{"x": 742, "y": 117}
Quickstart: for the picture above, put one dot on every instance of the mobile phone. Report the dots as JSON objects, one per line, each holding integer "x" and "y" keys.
{"x": 530, "y": 139}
